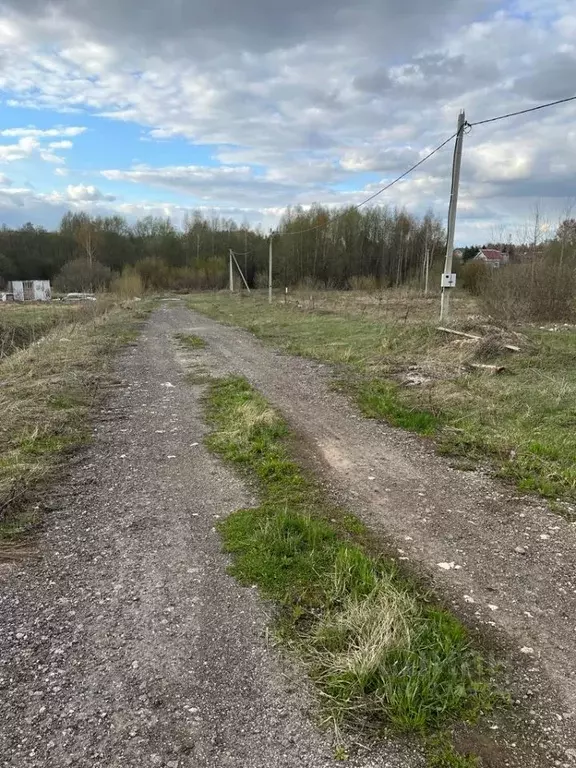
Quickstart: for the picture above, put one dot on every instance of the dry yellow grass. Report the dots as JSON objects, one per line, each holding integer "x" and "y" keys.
{"x": 46, "y": 392}
{"x": 399, "y": 305}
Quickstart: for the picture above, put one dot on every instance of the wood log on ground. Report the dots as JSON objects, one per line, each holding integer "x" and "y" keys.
{"x": 473, "y": 336}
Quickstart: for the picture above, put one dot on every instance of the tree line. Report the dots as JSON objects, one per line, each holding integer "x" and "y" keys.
{"x": 320, "y": 246}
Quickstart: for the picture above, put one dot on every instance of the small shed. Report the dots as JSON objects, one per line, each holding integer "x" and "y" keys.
{"x": 31, "y": 290}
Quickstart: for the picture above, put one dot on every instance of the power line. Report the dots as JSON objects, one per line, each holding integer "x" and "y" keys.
{"x": 523, "y": 111}
{"x": 376, "y": 194}
{"x": 466, "y": 125}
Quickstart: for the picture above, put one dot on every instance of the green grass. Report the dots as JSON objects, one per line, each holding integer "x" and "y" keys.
{"x": 523, "y": 422}
{"x": 190, "y": 341}
{"x": 47, "y": 396}
{"x": 382, "y": 399}
{"x": 379, "y": 652}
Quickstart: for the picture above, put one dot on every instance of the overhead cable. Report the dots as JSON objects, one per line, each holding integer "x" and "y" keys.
{"x": 376, "y": 194}
{"x": 467, "y": 126}
{"x": 523, "y": 111}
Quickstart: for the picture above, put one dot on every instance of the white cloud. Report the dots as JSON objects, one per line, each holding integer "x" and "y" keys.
{"x": 51, "y": 157}
{"x": 10, "y": 153}
{"x": 373, "y": 159}
{"x": 32, "y": 142}
{"x": 220, "y": 185}
{"x": 300, "y": 97}
{"x": 39, "y": 133}
{"x": 86, "y": 194}
{"x": 60, "y": 145}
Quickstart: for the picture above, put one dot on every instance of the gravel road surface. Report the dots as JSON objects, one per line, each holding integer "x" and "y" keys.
{"x": 503, "y": 560}
{"x": 123, "y": 642}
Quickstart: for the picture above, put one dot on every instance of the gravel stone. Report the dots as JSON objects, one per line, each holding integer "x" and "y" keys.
{"x": 123, "y": 641}
{"x": 437, "y": 514}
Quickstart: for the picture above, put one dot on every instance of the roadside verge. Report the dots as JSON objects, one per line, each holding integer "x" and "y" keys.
{"x": 47, "y": 392}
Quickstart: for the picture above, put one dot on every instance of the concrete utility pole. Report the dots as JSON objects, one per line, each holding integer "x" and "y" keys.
{"x": 446, "y": 281}
{"x": 245, "y": 251}
{"x": 231, "y": 271}
{"x": 426, "y": 265}
{"x": 240, "y": 271}
{"x": 270, "y": 269}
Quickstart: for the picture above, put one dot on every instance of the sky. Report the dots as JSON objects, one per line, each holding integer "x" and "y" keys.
{"x": 160, "y": 107}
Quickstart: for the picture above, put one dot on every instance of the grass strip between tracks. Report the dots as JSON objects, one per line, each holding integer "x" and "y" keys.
{"x": 380, "y": 653}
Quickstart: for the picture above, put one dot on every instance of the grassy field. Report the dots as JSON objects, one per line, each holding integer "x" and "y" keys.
{"x": 22, "y": 324}
{"x": 399, "y": 367}
{"x": 381, "y": 654}
{"x": 47, "y": 391}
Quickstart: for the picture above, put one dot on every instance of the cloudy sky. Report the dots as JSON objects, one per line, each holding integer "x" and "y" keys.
{"x": 247, "y": 106}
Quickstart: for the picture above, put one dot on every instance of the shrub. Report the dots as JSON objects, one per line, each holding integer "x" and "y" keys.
{"x": 261, "y": 280}
{"x": 537, "y": 291}
{"x": 82, "y": 275}
{"x": 203, "y": 274}
{"x": 155, "y": 273}
{"x": 473, "y": 276}
{"x": 128, "y": 285}
{"x": 368, "y": 283}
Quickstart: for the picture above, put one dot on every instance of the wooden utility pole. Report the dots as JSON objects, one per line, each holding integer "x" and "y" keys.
{"x": 445, "y": 300}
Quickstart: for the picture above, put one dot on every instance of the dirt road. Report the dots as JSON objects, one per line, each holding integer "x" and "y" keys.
{"x": 123, "y": 642}
{"x": 504, "y": 560}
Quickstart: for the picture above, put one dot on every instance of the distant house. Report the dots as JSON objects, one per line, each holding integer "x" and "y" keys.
{"x": 30, "y": 290}
{"x": 491, "y": 257}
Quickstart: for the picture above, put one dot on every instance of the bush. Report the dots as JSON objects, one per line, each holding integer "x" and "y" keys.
{"x": 155, "y": 274}
{"x": 367, "y": 283}
{"x": 128, "y": 285}
{"x": 82, "y": 275}
{"x": 473, "y": 276}
{"x": 536, "y": 291}
{"x": 204, "y": 274}
{"x": 261, "y": 280}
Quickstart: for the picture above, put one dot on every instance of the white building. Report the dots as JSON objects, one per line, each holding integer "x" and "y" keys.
{"x": 31, "y": 290}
